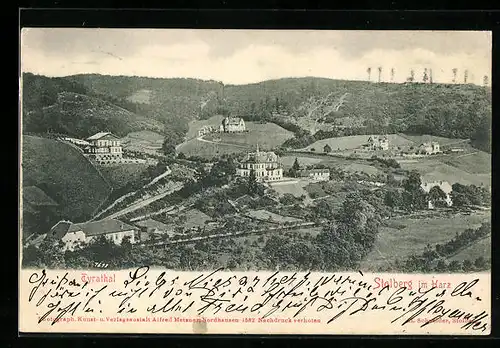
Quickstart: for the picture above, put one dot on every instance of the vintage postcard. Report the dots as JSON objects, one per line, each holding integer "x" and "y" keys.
{"x": 253, "y": 181}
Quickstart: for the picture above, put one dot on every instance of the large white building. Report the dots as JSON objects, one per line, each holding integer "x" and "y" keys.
{"x": 232, "y": 125}
{"x": 376, "y": 142}
{"x": 265, "y": 165}
{"x": 104, "y": 148}
{"x": 316, "y": 174}
{"x": 74, "y": 234}
{"x": 430, "y": 148}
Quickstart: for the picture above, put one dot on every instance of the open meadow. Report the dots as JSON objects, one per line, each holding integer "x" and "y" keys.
{"x": 119, "y": 175}
{"x": 410, "y": 236}
{"x": 266, "y": 135}
{"x": 143, "y": 141}
{"x": 435, "y": 169}
{"x": 355, "y": 141}
{"x": 209, "y": 150}
{"x": 480, "y": 248}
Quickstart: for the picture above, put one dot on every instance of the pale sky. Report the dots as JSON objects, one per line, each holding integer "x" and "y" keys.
{"x": 248, "y": 56}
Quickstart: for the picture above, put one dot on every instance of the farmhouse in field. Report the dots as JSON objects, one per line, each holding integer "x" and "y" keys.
{"x": 316, "y": 174}
{"x": 104, "y": 148}
{"x": 430, "y": 148}
{"x": 265, "y": 165}
{"x": 232, "y": 125}
{"x": 74, "y": 234}
{"x": 444, "y": 186}
{"x": 376, "y": 142}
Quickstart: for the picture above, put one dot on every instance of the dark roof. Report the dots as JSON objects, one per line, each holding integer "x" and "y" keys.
{"x": 35, "y": 196}
{"x": 60, "y": 229}
{"x": 101, "y": 227}
{"x": 101, "y": 135}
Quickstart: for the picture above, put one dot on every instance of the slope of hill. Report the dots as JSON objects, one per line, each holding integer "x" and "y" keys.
{"x": 478, "y": 249}
{"x": 81, "y": 116}
{"x": 452, "y": 111}
{"x": 64, "y": 175}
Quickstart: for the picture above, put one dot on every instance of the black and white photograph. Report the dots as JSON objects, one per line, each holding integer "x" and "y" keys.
{"x": 256, "y": 150}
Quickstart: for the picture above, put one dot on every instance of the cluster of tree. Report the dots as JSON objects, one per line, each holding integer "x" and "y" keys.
{"x": 182, "y": 257}
{"x": 470, "y": 195}
{"x": 434, "y": 259}
{"x": 412, "y": 198}
{"x": 427, "y": 76}
{"x": 462, "y": 240}
{"x": 295, "y": 169}
{"x": 304, "y": 139}
{"x": 388, "y": 163}
{"x": 414, "y": 264}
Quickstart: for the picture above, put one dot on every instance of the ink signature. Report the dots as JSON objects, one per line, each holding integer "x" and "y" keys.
{"x": 282, "y": 294}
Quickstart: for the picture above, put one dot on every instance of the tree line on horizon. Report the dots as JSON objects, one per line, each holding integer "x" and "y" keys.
{"x": 427, "y": 76}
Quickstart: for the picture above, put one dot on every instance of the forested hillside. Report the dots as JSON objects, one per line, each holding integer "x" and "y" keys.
{"x": 453, "y": 111}
{"x": 62, "y": 173}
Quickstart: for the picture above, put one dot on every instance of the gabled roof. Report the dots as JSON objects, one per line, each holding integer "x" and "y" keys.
{"x": 60, "y": 229}
{"x": 101, "y": 227}
{"x": 260, "y": 157}
{"x": 100, "y": 135}
{"x": 234, "y": 121}
{"x": 443, "y": 185}
{"x": 35, "y": 196}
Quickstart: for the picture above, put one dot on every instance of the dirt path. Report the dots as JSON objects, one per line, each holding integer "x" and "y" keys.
{"x": 121, "y": 198}
{"x": 237, "y": 234}
{"x": 144, "y": 203}
{"x": 220, "y": 143}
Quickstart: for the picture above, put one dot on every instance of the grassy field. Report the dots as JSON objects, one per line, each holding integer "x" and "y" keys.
{"x": 64, "y": 174}
{"x": 480, "y": 248}
{"x": 195, "y": 147}
{"x": 361, "y": 167}
{"x": 419, "y": 139}
{"x": 121, "y": 174}
{"x": 354, "y": 142}
{"x": 478, "y": 162}
{"x": 287, "y": 161}
{"x": 393, "y": 243}
{"x": 435, "y": 170}
{"x": 195, "y": 218}
{"x": 266, "y": 135}
{"x": 348, "y": 165}
{"x": 296, "y": 189}
{"x": 194, "y": 126}
{"x": 144, "y": 141}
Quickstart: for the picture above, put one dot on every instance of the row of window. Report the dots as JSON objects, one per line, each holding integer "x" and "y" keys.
{"x": 108, "y": 143}
{"x": 278, "y": 173}
{"x": 260, "y": 165}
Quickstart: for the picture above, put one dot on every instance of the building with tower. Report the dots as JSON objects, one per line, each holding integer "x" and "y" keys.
{"x": 266, "y": 166}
